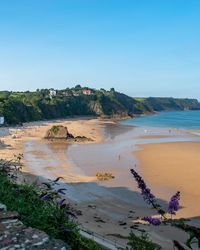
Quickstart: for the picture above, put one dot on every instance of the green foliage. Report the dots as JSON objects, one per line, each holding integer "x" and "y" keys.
{"x": 139, "y": 99}
{"x": 43, "y": 215}
{"x": 167, "y": 104}
{"x": 19, "y": 107}
{"x": 141, "y": 243}
{"x": 55, "y": 128}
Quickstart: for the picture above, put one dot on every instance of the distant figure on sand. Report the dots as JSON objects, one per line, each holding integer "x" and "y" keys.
{"x": 119, "y": 157}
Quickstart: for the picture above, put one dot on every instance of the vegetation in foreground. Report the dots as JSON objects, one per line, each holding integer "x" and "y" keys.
{"x": 141, "y": 242}
{"x": 43, "y": 208}
{"x": 38, "y": 209}
{"x": 173, "y": 207}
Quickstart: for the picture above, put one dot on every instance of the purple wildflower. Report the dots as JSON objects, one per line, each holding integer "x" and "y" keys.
{"x": 153, "y": 221}
{"x": 146, "y": 192}
{"x": 174, "y": 203}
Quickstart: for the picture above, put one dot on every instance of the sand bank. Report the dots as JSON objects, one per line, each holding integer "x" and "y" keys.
{"x": 171, "y": 167}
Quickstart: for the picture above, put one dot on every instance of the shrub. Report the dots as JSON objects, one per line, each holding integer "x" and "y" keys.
{"x": 44, "y": 214}
{"x": 141, "y": 242}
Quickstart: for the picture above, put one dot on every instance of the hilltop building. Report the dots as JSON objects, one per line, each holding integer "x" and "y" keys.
{"x": 87, "y": 91}
{"x": 52, "y": 92}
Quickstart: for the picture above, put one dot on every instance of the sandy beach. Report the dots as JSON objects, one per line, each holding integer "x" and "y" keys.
{"x": 18, "y": 139}
{"x": 116, "y": 205}
{"x": 171, "y": 167}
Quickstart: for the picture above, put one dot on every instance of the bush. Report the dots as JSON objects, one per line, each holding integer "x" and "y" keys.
{"x": 141, "y": 243}
{"x": 43, "y": 215}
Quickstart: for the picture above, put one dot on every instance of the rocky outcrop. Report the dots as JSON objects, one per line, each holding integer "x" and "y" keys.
{"x": 58, "y": 132}
{"x": 82, "y": 139}
{"x": 101, "y": 176}
{"x": 15, "y": 235}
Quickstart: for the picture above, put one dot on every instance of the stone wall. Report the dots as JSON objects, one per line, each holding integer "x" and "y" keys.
{"x": 15, "y": 235}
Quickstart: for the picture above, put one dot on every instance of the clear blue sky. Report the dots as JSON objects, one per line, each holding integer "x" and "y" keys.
{"x": 142, "y": 48}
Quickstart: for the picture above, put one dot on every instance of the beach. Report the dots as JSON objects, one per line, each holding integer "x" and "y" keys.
{"x": 113, "y": 206}
{"x": 171, "y": 167}
{"x": 19, "y": 139}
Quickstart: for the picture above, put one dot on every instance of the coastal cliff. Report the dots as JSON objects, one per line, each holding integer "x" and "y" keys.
{"x": 19, "y": 107}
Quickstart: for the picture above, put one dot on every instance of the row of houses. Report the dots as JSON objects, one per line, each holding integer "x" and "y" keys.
{"x": 53, "y": 92}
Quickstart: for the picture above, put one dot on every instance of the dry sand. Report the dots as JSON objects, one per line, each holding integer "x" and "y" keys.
{"x": 17, "y": 138}
{"x": 171, "y": 167}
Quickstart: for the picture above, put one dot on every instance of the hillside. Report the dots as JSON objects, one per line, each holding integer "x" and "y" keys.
{"x": 19, "y": 107}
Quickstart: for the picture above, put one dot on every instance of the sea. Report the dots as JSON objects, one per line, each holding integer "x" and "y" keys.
{"x": 179, "y": 119}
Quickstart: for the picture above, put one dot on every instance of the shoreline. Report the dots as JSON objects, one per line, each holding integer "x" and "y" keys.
{"x": 111, "y": 201}
{"x": 16, "y": 138}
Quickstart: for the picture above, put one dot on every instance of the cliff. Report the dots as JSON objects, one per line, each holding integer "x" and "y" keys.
{"x": 19, "y": 107}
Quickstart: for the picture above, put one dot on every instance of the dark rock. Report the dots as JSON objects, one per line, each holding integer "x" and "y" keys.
{"x": 58, "y": 132}
{"x": 91, "y": 206}
{"x": 134, "y": 226}
{"x": 122, "y": 223}
{"x": 130, "y": 217}
{"x": 98, "y": 219}
{"x": 82, "y": 138}
{"x": 79, "y": 212}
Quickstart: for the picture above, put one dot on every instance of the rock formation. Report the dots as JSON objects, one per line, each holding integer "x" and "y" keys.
{"x": 58, "y": 132}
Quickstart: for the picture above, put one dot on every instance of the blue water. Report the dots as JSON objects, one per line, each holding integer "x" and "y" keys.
{"x": 178, "y": 119}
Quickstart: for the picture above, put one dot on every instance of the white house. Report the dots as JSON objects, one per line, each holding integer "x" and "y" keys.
{"x": 52, "y": 92}
{"x": 2, "y": 120}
